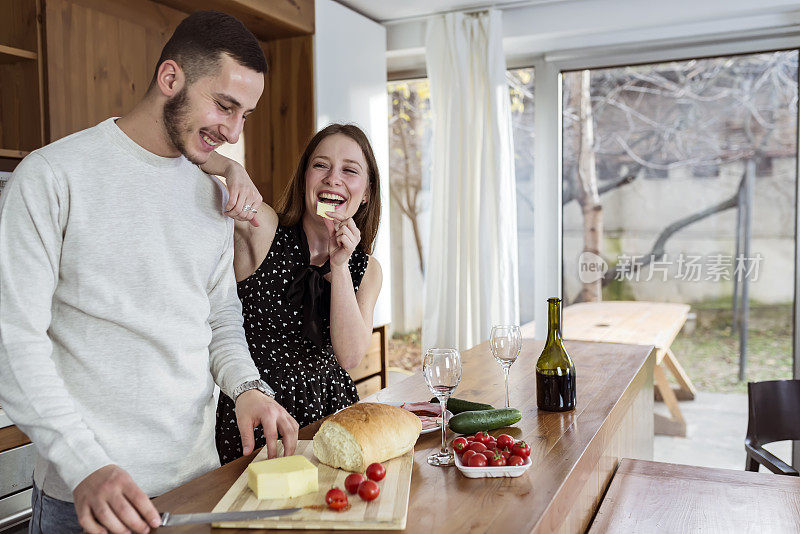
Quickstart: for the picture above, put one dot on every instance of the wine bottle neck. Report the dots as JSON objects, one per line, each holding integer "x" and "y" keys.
{"x": 553, "y": 321}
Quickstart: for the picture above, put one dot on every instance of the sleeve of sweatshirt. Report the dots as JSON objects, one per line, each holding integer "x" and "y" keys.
{"x": 231, "y": 363}
{"x": 33, "y": 214}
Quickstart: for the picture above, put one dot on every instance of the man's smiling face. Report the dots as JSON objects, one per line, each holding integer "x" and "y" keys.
{"x": 212, "y": 110}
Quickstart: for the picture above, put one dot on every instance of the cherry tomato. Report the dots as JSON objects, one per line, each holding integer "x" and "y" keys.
{"x": 369, "y": 490}
{"x": 515, "y": 460}
{"x": 376, "y": 472}
{"x": 477, "y": 447}
{"x": 479, "y": 460}
{"x": 505, "y": 452}
{"x": 497, "y": 460}
{"x": 491, "y": 446}
{"x": 482, "y": 437}
{"x": 467, "y": 455}
{"x": 489, "y": 454}
{"x": 492, "y": 439}
{"x": 521, "y": 448}
{"x": 352, "y": 482}
{"x": 504, "y": 440}
{"x": 336, "y": 499}
{"x": 460, "y": 445}
{"x": 470, "y": 439}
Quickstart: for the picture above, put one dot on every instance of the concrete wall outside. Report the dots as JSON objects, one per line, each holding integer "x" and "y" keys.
{"x": 634, "y": 215}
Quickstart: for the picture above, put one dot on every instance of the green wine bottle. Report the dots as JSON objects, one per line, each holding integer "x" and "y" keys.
{"x": 555, "y": 372}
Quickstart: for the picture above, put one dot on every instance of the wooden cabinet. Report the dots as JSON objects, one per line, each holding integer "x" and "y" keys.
{"x": 275, "y": 19}
{"x": 21, "y": 88}
{"x": 276, "y": 133}
{"x": 66, "y": 65}
{"x": 100, "y": 58}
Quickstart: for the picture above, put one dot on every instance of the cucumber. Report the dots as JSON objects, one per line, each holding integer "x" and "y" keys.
{"x": 473, "y": 421}
{"x": 460, "y": 405}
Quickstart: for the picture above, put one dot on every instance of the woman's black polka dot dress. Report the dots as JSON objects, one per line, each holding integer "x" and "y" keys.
{"x": 308, "y": 380}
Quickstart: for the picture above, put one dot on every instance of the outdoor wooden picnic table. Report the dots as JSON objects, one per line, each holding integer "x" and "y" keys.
{"x": 574, "y": 454}
{"x": 637, "y": 323}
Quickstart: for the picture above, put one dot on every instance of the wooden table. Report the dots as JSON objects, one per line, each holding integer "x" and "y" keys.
{"x": 653, "y": 497}
{"x": 638, "y": 323}
{"x": 574, "y": 453}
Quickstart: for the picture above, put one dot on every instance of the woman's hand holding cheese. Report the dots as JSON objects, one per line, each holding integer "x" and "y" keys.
{"x": 344, "y": 238}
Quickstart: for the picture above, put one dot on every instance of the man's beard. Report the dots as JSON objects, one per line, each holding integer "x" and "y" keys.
{"x": 175, "y": 117}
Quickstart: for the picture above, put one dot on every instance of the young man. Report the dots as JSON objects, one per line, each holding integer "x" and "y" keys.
{"x": 118, "y": 304}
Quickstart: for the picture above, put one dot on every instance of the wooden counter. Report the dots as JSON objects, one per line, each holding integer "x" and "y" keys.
{"x": 647, "y": 497}
{"x": 574, "y": 454}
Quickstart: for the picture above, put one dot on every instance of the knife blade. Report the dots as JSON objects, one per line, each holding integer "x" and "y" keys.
{"x": 171, "y": 520}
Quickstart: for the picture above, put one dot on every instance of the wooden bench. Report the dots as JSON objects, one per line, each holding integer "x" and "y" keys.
{"x": 646, "y": 497}
{"x": 637, "y": 323}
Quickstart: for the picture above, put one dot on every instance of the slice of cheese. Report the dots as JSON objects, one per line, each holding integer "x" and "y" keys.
{"x": 282, "y": 478}
{"x": 323, "y": 207}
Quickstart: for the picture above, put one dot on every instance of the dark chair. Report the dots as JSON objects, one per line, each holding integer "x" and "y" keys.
{"x": 774, "y": 415}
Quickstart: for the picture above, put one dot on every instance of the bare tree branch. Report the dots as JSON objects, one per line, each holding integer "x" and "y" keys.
{"x": 658, "y": 249}
{"x": 619, "y": 182}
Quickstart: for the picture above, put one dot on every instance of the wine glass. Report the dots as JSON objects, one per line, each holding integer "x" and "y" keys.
{"x": 506, "y": 344}
{"x": 442, "y": 371}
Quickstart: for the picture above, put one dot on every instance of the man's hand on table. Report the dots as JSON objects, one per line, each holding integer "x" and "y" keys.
{"x": 253, "y": 408}
{"x": 109, "y": 500}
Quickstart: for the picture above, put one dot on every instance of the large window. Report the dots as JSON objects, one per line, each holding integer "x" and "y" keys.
{"x": 681, "y": 177}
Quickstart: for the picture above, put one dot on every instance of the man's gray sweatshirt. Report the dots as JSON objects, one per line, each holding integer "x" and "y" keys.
{"x": 118, "y": 311}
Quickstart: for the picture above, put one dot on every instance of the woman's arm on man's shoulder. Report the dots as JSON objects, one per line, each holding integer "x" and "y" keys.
{"x": 255, "y": 228}
{"x": 244, "y": 200}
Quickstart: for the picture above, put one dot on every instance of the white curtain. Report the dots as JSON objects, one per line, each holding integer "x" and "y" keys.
{"x": 471, "y": 277}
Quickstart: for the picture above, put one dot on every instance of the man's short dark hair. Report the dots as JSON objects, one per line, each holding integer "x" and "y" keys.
{"x": 201, "y": 38}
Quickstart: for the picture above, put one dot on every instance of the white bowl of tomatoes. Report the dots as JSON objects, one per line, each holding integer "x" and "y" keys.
{"x": 484, "y": 456}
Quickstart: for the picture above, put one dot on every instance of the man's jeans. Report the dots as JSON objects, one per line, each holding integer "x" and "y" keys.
{"x": 51, "y": 516}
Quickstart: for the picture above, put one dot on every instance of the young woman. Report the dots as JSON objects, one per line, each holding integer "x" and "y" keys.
{"x": 307, "y": 282}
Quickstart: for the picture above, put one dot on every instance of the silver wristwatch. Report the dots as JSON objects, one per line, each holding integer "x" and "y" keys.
{"x": 260, "y": 385}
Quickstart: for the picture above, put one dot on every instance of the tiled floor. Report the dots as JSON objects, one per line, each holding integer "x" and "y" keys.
{"x": 716, "y": 424}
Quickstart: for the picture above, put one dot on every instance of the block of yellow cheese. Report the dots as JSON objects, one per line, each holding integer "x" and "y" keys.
{"x": 282, "y": 478}
{"x": 323, "y": 207}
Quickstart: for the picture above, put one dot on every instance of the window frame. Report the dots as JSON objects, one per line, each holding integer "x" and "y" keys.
{"x": 548, "y": 217}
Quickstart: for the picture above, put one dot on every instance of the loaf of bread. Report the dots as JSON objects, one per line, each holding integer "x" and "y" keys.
{"x": 365, "y": 433}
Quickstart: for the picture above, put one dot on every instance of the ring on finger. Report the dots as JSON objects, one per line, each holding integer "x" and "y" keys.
{"x": 247, "y": 207}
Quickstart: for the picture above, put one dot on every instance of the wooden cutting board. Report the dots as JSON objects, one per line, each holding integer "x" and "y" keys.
{"x": 387, "y": 512}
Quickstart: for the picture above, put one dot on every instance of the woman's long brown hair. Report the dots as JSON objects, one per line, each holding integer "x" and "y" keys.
{"x": 291, "y": 205}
